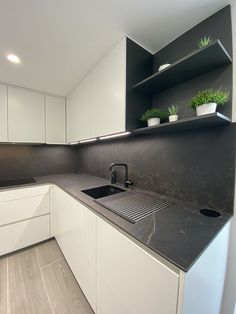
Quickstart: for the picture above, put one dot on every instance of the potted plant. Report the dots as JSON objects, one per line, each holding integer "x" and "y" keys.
{"x": 173, "y": 110}
{"x": 153, "y": 116}
{"x": 206, "y": 101}
{"x": 204, "y": 41}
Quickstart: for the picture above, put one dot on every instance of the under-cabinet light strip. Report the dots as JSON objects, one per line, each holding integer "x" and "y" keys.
{"x": 74, "y": 143}
{"x": 89, "y": 140}
{"x": 100, "y": 138}
{"x": 113, "y": 135}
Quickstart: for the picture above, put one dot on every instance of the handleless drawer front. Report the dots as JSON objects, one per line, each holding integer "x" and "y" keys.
{"x": 16, "y": 193}
{"x": 22, "y": 234}
{"x": 24, "y": 208}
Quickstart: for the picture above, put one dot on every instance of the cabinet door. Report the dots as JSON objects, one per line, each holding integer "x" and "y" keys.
{"x": 55, "y": 120}
{"x": 3, "y": 114}
{"x": 108, "y": 93}
{"x": 74, "y": 227}
{"x": 24, "y": 233}
{"x": 129, "y": 280}
{"x": 78, "y": 112}
{"x": 26, "y": 116}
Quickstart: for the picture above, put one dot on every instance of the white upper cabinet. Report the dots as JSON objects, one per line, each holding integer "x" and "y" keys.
{"x": 97, "y": 107}
{"x": 55, "y": 120}
{"x": 108, "y": 93}
{"x": 3, "y": 114}
{"x": 78, "y": 112}
{"x": 26, "y": 116}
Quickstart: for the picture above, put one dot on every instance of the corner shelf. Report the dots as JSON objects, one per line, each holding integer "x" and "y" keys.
{"x": 208, "y": 120}
{"x": 194, "y": 64}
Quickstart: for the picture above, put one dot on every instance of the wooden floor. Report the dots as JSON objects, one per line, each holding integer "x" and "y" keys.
{"x": 38, "y": 280}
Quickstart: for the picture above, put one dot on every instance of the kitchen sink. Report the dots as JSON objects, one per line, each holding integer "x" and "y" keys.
{"x": 103, "y": 191}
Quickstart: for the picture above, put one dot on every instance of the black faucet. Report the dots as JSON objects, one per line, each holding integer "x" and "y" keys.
{"x": 127, "y": 182}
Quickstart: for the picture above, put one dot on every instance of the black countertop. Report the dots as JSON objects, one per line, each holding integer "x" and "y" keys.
{"x": 179, "y": 233}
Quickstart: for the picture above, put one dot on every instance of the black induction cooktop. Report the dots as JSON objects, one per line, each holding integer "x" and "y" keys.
{"x": 16, "y": 182}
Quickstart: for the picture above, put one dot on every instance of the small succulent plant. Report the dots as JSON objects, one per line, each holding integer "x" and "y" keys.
{"x": 204, "y": 41}
{"x": 173, "y": 110}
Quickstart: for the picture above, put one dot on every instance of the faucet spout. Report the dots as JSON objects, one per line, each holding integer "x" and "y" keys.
{"x": 127, "y": 182}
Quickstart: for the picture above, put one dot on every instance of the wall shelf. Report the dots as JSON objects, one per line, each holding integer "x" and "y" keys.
{"x": 194, "y": 64}
{"x": 209, "y": 120}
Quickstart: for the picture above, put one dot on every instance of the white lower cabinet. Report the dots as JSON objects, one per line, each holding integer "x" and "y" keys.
{"x": 129, "y": 280}
{"x": 119, "y": 276}
{"x": 74, "y": 227}
{"x": 24, "y": 217}
{"x": 201, "y": 288}
{"x": 24, "y": 208}
{"x": 22, "y": 234}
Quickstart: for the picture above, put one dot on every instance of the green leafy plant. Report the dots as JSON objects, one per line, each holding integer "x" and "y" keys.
{"x": 218, "y": 96}
{"x": 153, "y": 113}
{"x": 173, "y": 110}
{"x": 204, "y": 41}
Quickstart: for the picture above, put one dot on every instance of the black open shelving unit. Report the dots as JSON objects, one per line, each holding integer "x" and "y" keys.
{"x": 194, "y": 64}
{"x": 208, "y": 120}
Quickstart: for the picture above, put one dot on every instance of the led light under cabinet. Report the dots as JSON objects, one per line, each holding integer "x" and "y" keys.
{"x": 88, "y": 140}
{"x": 113, "y": 135}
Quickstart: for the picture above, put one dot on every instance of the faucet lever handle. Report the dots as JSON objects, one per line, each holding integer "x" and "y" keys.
{"x": 128, "y": 183}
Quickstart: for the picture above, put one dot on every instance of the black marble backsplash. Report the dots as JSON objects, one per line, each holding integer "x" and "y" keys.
{"x": 25, "y": 161}
{"x": 196, "y": 166}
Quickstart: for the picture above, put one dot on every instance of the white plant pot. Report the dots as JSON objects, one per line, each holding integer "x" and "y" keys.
{"x": 206, "y": 109}
{"x": 173, "y": 118}
{"x": 153, "y": 121}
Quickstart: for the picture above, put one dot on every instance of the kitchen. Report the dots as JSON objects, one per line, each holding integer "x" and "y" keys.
{"x": 117, "y": 175}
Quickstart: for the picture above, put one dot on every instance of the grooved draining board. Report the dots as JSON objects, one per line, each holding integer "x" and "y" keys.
{"x": 135, "y": 206}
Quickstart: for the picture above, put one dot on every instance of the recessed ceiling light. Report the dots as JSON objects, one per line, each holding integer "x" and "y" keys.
{"x": 13, "y": 58}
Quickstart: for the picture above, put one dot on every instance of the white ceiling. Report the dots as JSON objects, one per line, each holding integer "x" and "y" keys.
{"x": 58, "y": 41}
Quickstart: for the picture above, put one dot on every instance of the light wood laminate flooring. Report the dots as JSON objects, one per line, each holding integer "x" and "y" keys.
{"x": 38, "y": 280}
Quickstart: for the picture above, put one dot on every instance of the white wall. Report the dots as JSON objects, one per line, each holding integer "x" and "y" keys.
{"x": 229, "y": 299}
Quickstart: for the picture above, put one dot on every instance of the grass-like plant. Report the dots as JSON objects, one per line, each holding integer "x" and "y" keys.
{"x": 173, "y": 110}
{"x": 154, "y": 113}
{"x": 218, "y": 96}
{"x": 204, "y": 41}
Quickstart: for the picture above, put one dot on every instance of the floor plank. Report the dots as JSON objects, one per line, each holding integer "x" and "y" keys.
{"x": 48, "y": 252}
{"x": 64, "y": 293}
{"x": 3, "y": 285}
{"x": 27, "y": 294}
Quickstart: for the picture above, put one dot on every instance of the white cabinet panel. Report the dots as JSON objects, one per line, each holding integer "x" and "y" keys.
{"x": 19, "y": 235}
{"x": 98, "y": 105}
{"x": 78, "y": 112}
{"x": 204, "y": 282}
{"x": 26, "y": 116}
{"x": 25, "y": 208}
{"x": 74, "y": 227}
{"x": 108, "y": 93}
{"x": 17, "y": 193}
{"x": 55, "y": 120}
{"x": 3, "y": 114}
{"x": 129, "y": 280}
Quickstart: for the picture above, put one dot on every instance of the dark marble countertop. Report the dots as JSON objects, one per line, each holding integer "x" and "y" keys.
{"x": 179, "y": 233}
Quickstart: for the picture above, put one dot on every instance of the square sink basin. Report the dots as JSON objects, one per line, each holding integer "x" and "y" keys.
{"x": 102, "y": 191}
